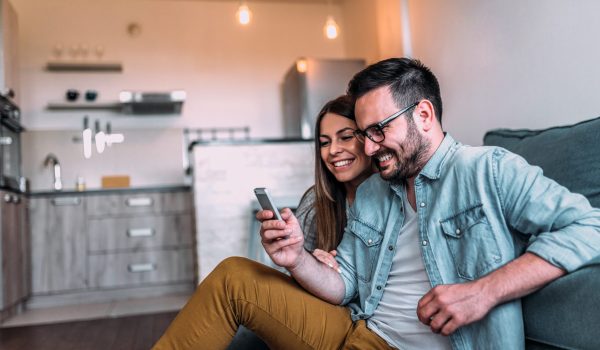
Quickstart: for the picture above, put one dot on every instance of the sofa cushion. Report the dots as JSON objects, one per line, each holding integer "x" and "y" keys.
{"x": 570, "y": 155}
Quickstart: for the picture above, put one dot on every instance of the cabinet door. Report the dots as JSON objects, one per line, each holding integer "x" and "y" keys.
{"x": 25, "y": 232}
{"x": 12, "y": 257}
{"x": 58, "y": 244}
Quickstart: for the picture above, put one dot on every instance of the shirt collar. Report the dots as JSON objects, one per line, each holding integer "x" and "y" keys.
{"x": 433, "y": 168}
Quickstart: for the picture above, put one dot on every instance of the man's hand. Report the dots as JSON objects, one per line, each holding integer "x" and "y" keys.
{"x": 283, "y": 240}
{"x": 445, "y": 308}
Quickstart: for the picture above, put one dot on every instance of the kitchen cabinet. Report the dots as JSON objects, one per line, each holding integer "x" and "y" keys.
{"x": 14, "y": 250}
{"x": 58, "y": 229}
{"x": 115, "y": 243}
{"x": 137, "y": 239}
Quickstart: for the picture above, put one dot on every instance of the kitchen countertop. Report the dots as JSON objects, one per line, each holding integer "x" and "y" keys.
{"x": 73, "y": 192}
{"x": 245, "y": 142}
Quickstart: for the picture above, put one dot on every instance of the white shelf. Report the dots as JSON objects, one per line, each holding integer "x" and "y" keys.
{"x": 62, "y": 105}
{"x": 67, "y": 66}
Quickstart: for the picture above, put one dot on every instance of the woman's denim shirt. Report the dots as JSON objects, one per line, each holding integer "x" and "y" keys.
{"x": 478, "y": 208}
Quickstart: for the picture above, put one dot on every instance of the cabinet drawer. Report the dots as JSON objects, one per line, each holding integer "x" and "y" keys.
{"x": 139, "y": 203}
{"x": 117, "y": 204}
{"x": 132, "y": 269}
{"x": 140, "y": 232}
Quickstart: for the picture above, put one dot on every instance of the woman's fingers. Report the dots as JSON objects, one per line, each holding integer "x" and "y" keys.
{"x": 327, "y": 259}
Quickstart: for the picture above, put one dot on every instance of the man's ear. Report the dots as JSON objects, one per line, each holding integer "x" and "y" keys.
{"x": 426, "y": 115}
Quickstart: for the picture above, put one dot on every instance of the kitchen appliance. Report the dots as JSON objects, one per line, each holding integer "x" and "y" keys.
{"x": 138, "y": 102}
{"x": 308, "y": 85}
{"x": 10, "y": 144}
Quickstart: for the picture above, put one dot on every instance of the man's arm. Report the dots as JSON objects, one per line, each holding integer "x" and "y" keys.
{"x": 284, "y": 243}
{"x": 445, "y": 308}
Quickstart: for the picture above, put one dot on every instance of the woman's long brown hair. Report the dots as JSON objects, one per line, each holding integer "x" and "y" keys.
{"x": 330, "y": 194}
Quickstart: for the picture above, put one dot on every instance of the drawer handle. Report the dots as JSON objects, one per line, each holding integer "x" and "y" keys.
{"x": 140, "y": 232}
{"x": 139, "y": 202}
{"x": 63, "y": 201}
{"x": 141, "y": 267}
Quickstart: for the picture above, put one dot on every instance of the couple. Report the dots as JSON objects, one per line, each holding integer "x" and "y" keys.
{"x": 437, "y": 248}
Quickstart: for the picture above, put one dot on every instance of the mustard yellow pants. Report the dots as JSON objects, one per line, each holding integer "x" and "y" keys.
{"x": 242, "y": 292}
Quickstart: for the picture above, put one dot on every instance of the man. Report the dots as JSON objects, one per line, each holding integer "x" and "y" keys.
{"x": 478, "y": 224}
{"x": 476, "y": 209}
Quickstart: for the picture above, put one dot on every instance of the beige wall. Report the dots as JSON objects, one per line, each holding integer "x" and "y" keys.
{"x": 373, "y": 29}
{"x": 514, "y": 64}
{"x": 231, "y": 73}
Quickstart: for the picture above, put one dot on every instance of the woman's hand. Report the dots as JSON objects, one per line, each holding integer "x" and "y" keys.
{"x": 327, "y": 258}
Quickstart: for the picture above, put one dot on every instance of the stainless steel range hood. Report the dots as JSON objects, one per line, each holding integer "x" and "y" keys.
{"x": 149, "y": 103}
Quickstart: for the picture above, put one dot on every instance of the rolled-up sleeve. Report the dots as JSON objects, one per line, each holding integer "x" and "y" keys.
{"x": 564, "y": 227}
{"x": 346, "y": 257}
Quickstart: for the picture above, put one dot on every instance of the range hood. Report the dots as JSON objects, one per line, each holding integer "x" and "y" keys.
{"x": 140, "y": 102}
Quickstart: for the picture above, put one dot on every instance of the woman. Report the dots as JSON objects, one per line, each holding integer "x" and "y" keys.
{"x": 209, "y": 319}
{"x": 340, "y": 166}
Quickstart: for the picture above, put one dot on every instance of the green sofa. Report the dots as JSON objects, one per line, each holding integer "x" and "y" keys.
{"x": 566, "y": 313}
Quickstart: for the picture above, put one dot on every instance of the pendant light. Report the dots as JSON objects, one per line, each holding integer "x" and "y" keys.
{"x": 331, "y": 29}
{"x": 243, "y": 14}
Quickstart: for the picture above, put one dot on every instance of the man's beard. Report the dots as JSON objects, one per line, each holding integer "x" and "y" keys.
{"x": 413, "y": 158}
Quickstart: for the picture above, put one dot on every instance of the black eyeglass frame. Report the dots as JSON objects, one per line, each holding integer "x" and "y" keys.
{"x": 382, "y": 124}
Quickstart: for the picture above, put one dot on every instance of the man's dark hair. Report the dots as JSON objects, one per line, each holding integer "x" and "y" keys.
{"x": 409, "y": 81}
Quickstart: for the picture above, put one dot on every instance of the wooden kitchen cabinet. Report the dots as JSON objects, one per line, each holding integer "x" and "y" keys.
{"x": 118, "y": 244}
{"x": 140, "y": 238}
{"x": 58, "y": 244}
{"x": 14, "y": 250}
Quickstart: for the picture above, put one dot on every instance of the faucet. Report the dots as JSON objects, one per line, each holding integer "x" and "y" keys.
{"x": 52, "y": 160}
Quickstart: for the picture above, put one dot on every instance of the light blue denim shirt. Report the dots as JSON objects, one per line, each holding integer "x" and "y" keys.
{"x": 478, "y": 208}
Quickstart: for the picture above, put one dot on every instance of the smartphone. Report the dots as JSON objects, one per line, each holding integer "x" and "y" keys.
{"x": 266, "y": 202}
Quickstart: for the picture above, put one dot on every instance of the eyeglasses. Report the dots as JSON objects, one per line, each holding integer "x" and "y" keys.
{"x": 375, "y": 132}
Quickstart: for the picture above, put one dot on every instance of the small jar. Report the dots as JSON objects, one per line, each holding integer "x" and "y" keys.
{"x": 80, "y": 184}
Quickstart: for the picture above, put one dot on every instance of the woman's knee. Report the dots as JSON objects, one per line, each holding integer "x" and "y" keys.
{"x": 235, "y": 266}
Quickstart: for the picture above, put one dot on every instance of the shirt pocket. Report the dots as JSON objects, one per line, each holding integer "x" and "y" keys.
{"x": 367, "y": 246}
{"x": 471, "y": 243}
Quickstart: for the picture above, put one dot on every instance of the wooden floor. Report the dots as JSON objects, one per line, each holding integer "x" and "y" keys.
{"x": 127, "y": 333}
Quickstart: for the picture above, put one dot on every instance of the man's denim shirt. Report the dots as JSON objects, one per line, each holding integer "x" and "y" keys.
{"x": 478, "y": 208}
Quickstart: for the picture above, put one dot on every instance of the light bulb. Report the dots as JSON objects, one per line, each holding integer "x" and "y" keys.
{"x": 331, "y": 28}
{"x": 243, "y": 14}
{"x": 301, "y": 65}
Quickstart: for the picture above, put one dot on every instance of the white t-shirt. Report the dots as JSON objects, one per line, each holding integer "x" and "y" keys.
{"x": 395, "y": 318}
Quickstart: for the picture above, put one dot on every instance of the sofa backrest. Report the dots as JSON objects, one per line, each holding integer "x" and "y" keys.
{"x": 570, "y": 155}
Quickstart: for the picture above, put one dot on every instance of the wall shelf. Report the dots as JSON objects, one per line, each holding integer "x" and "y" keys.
{"x": 60, "y": 66}
{"x": 61, "y": 106}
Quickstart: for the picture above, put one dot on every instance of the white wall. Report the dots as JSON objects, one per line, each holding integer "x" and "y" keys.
{"x": 514, "y": 64}
{"x": 223, "y": 181}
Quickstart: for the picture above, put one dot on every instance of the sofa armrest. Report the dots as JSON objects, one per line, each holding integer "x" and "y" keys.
{"x": 566, "y": 312}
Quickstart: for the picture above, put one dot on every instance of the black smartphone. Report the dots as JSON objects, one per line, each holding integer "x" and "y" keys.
{"x": 266, "y": 202}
